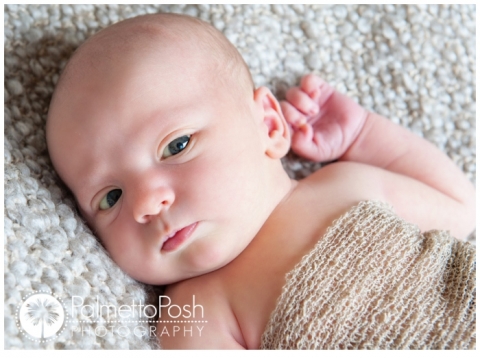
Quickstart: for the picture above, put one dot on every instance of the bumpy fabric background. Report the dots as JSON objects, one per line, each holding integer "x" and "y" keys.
{"x": 413, "y": 64}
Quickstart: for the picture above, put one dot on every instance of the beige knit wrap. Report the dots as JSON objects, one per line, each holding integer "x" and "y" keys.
{"x": 375, "y": 282}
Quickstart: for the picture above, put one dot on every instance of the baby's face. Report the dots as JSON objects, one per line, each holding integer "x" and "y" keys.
{"x": 166, "y": 166}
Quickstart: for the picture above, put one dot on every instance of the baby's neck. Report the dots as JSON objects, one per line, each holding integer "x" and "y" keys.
{"x": 281, "y": 189}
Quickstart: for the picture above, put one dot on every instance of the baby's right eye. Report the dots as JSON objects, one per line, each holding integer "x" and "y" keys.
{"x": 110, "y": 199}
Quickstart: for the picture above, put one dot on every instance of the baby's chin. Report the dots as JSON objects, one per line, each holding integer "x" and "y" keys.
{"x": 204, "y": 257}
{"x": 200, "y": 257}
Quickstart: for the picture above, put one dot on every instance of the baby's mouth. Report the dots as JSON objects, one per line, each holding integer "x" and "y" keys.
{"x": 176, "y": 238}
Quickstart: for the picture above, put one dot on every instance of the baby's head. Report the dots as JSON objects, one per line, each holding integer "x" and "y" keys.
{"x": 156, "y": 128}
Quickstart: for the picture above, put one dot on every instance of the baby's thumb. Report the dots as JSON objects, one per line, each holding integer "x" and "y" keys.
{"x": 303, "y": 143}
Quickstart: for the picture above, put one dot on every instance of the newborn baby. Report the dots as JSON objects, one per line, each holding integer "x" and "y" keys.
{"x": 174, "y": 159}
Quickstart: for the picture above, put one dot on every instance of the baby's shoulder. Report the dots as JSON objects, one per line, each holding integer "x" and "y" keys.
{"x": 334, "y": 189}
{"x": 194, "y": 313}
{"x": 350, "y": 180}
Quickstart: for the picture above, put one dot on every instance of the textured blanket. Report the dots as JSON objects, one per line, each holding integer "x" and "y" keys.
{"x": 374, "y": 281}
{"x": 413, "y": 64}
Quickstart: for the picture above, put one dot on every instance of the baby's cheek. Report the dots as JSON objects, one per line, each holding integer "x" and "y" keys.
{"x": 119, "y": 245}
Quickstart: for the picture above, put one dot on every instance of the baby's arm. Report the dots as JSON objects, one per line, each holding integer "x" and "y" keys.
{"x": 420, "y": 181}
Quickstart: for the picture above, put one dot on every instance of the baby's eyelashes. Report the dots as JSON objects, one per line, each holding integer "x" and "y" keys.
{"x": 110, "y": 199}
{"x": 176, "y": 146}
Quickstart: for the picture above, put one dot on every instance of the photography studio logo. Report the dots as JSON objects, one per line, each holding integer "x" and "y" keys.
{"x": 41, "y": 316}
{"x": 138, "y": 318}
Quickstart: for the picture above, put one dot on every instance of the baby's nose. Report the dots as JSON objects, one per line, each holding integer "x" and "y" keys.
{"x": 149, "y": 203}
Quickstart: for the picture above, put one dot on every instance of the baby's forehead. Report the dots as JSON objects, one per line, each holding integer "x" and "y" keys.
{"x": 121, "y": 56}
{"x": 110, "y": 57}
{"x": 161, "y": 34}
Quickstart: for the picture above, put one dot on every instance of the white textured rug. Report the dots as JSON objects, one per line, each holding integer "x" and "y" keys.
{"x": 413, "y": 64}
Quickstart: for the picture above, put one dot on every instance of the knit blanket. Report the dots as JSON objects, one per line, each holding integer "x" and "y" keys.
{"x": 375, "y": 282}
{"x": 413, "y": 64}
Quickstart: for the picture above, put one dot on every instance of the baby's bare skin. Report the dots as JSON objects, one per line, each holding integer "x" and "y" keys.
{"x": 139, "y": 91}
{"x": 238, "y": 307}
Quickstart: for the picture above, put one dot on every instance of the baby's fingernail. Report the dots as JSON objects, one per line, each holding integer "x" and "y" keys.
{"x": 300, "y": 123}
{"x": 313, "y": 109}
{"x": 315, "y": 94}
{"x": 304, "y": 128}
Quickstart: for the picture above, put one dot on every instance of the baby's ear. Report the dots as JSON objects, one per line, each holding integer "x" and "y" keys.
{"x": 274, "y": 123}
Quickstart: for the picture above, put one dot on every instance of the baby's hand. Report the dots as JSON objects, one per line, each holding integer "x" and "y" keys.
{"x": 324, "y": 122}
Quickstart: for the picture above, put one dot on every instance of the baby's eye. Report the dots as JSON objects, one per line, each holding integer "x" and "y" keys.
{"x": 176, "y": 146}
{"x": 110, "y": 199}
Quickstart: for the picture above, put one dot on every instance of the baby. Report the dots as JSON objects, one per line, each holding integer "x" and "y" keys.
{"x": 174, "y": 159}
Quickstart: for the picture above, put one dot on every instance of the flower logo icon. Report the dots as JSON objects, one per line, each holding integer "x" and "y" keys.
{"x": 41, "y": 316}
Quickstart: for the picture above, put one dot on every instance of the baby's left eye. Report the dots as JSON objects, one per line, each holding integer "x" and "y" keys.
{"x": 176, "y": 146}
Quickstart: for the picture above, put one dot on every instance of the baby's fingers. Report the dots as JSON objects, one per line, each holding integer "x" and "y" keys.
{"x": 304, "y": 143}
{"x": 302, "y": 101}
{"x": 316, "y": 88}
{"x": 292, "y": 115}
{"x": 312, "y": 84}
